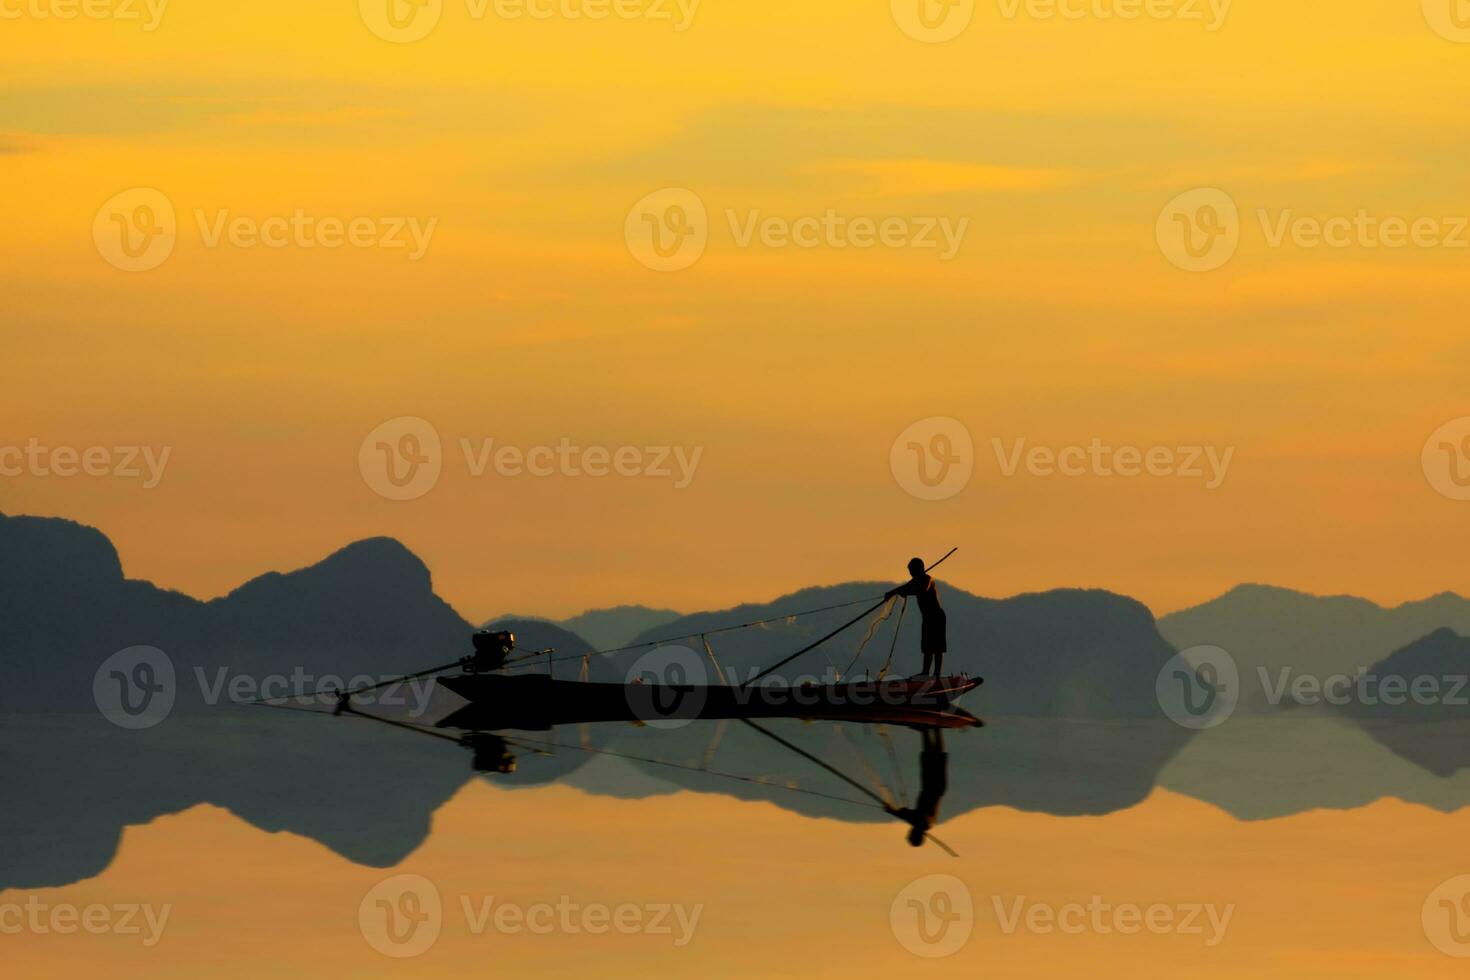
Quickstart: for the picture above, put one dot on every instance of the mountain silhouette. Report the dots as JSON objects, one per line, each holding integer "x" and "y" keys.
{"x": 1425, "y": 716}
{"x": 369, "y": 611}
{"x": 608, "y": 628}
{"x": 1274, "y": 630}
{"x": 1265, "y": 766}
{"x": 65, "y": 607}
{"x": 1073, "y": 723}
{"x": 1431, "y": 682}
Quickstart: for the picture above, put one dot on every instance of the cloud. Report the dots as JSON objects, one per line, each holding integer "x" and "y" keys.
{"x": 906, "y": 178}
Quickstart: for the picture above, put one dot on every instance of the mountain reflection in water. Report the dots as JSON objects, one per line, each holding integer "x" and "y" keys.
{"x": 369, "y": 791}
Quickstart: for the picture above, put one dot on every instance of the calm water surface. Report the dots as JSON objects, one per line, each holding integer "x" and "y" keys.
{"x": 244, "y": 841}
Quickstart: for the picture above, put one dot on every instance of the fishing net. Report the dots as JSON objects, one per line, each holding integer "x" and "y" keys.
{"x": 873, "y": 626}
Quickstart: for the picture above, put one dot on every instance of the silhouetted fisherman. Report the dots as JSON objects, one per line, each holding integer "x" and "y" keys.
{"x": 933, "y": 781}
{"x": 933, "y": 642}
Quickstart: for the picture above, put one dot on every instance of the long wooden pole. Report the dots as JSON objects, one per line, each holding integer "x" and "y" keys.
{"x": 856, "y": 619}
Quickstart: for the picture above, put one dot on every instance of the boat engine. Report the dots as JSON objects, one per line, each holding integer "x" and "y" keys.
{"x": 492, "y": 753}
{"x": 492, "y": 647}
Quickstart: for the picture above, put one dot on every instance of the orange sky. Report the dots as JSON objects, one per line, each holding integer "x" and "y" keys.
{"x": 1320, "y": 895}
{"x": 529, "y": 321}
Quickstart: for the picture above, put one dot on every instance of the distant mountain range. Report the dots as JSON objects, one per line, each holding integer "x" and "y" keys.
{"x": 1074, "y": 725}
{"x": 369, "y": 611}
{"x": 605, "y": 629}
{"x": 1274, "y": 630}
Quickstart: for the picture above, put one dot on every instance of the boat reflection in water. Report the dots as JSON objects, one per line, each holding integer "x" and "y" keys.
{"x": 511, "y": 713}
{"x": 539, "y": 702}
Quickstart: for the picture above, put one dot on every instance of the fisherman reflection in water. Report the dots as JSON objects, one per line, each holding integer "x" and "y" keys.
{"x": 933, "y": 781}
{"x": 932, "y": 640}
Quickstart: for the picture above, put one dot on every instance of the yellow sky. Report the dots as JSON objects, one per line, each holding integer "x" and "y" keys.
{"x": 527, "y": 320}
{"x": 1322, "y": 894}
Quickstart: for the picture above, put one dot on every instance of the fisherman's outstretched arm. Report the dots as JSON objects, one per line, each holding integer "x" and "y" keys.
{"x": 909, "y": 588}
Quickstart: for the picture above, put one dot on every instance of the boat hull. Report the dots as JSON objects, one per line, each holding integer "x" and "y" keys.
{"x": 538, "y": 702}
